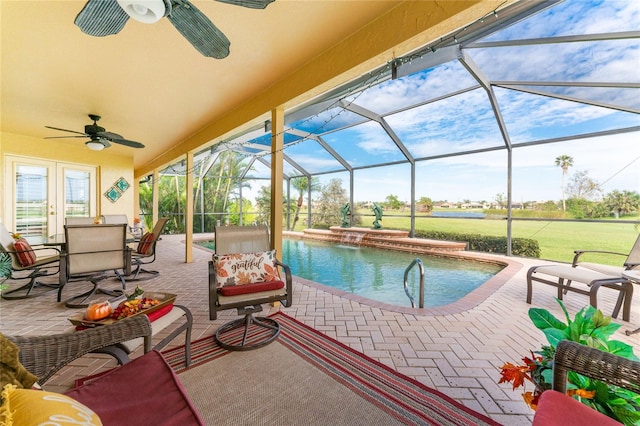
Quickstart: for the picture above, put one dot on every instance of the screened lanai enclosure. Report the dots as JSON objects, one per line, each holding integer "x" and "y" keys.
{"x": 520, "y": 123}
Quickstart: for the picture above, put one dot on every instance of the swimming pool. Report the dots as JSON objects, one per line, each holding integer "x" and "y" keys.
{"x": 378, "y": 274}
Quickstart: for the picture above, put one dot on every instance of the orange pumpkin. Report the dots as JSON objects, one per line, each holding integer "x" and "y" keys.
{"x": 98, "y": 311}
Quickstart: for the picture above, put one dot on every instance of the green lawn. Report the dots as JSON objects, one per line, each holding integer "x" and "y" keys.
{"x": 557, "y": 240}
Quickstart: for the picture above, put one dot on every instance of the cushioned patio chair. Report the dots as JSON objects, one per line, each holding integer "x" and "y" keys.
{"x": 557, "y": 408}
{"x": 92, "y": 253}
{"x": 28, "y": 263}
{"x": 145, "y": 253}
{"x": 594, "y": 275}
{"x": 243, "y": 275}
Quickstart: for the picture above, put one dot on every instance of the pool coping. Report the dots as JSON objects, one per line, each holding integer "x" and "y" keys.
{"x": 465, "y": 303}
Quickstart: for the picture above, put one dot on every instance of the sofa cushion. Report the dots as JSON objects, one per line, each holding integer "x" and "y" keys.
{"x": 245, "y": 268}
{"x": 26, "y": 255}
{"x": 28, "y": 407}
{"x": 145, "y": 388}
{"x": 556, "y": 408}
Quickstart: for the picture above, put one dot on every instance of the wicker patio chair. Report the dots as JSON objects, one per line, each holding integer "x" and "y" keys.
{"x": 604, "y": 366}
{"x": 45, "y": 355}
{"x": 247, "y": 297}
{"x": 557, "y": 408}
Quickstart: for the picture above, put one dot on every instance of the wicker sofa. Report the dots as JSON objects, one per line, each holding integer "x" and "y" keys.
{"x": 146, "y": 387}
{"x": 556, "y": 408}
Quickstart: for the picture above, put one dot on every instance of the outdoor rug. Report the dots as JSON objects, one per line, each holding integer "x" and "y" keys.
{"x": 305, "y": 377}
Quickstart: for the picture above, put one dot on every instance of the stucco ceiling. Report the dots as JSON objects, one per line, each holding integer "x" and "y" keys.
{"x": 147, "y": 82}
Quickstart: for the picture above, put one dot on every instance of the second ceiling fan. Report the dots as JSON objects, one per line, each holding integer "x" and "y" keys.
{"x": 106, "y": 17}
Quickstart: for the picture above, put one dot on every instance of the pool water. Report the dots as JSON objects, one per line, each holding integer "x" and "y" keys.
{"x": 379, "y": 274}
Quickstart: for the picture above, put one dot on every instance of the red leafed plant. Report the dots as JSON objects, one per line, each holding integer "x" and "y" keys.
{"x": 589, "y": 327}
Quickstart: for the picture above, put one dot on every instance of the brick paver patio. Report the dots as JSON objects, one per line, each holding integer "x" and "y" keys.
{"x": 456, "y": 349}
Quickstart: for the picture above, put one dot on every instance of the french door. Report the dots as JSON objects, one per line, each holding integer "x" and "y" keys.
{"x": 40, "y": 194}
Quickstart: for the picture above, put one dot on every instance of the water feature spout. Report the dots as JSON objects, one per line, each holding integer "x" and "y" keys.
{"x": 351, "y": 238}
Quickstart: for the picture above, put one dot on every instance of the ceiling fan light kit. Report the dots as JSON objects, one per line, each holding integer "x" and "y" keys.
{"x": 145, "y": 11}
{"x": 94, "y": 145}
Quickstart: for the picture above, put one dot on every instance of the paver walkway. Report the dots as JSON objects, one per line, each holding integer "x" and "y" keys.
{"x": 456, "y": 350}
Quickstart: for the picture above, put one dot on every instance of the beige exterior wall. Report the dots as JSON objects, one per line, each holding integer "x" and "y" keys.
{"x": 109, "y": 168}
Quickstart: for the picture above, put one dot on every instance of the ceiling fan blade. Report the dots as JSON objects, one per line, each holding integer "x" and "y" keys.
{"x": 116, "y": 138}
{"x": 65, "y": 137}
{"x": 101, "y": 18}
{"x": 253, "y": 4}
{"x": 125, "y": 142}
{"x": 109, "y": 135}
{"x": 199, "y": 30}
{"x": 65, "y": 130}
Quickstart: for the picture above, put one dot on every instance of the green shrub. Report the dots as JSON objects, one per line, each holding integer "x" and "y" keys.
{"x": 524, "y": 247}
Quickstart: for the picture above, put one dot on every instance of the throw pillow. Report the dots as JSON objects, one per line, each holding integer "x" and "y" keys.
{"x": 236, "y": 290}
{"x": 146, "y": 244}
{"x": 26, "y": 255}
{"x": 245, "y": 268}
{"x": 30, "y": 407}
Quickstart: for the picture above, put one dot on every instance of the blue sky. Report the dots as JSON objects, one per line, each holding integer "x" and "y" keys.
{"x": 466, "y": 121}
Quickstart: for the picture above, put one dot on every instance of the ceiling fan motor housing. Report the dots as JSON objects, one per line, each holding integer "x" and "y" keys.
{"x": 92, "y": 129}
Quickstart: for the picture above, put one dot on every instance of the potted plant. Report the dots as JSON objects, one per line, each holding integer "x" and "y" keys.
{"x": 589, "y": 327}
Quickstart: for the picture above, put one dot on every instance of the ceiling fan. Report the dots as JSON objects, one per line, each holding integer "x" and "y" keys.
{"x": 102, "y": 18}
{"x": 99, "y": 138}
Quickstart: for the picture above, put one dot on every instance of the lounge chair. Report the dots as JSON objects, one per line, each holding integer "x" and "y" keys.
{"x": 243, "y": 275}
{"x": 594, "y": 275}
{"x": 32, "y": 262}
{"x": 632, "y": 260}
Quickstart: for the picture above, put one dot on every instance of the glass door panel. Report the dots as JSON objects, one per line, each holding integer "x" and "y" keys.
{"x": 77, "y": 198}
{"x": 31, "y": 200}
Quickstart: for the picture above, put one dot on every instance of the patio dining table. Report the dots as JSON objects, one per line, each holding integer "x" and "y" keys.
{"x": 58, "y": 240}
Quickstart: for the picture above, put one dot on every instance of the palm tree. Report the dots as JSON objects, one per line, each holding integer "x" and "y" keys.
{"x": 302, "y": 185}
{"x": 564, "y": 162}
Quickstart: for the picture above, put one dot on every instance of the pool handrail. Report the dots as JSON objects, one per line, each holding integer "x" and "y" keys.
{"x": 414, "y": 262}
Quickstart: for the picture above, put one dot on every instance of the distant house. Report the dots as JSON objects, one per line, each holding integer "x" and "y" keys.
{"x": 471, "y": 205}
